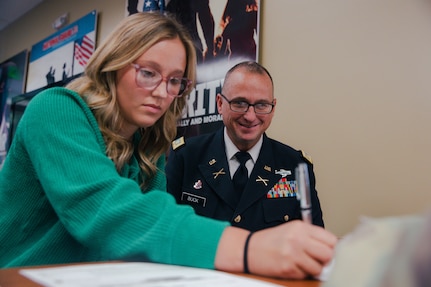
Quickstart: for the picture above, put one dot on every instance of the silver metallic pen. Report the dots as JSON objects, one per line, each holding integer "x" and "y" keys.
{"x": 303, "y": 191}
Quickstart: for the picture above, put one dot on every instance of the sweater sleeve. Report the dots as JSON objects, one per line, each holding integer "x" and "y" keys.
{"x": 103, "y": 211}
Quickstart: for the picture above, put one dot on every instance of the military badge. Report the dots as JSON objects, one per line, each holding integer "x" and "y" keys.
{"x": 283, "y": 188}
{"x": 177, "y": 143}
{"x": 198, "y": 184}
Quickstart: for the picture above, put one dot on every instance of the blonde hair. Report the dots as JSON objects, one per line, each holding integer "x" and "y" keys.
{"x": 130, "y": 39}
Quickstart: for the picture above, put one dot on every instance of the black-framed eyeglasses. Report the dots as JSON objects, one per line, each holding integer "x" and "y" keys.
{"x": 243, "y": 106}
{"x": 149, "y": 79}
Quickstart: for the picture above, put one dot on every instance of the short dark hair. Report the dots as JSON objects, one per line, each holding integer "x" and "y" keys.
{"x": 250, "y": 66}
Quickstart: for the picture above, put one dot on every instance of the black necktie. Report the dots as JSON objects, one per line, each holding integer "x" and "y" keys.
{"x": 241, "y": 174}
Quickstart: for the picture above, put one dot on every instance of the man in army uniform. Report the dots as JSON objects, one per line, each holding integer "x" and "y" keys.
{"x": 202, "y": 171}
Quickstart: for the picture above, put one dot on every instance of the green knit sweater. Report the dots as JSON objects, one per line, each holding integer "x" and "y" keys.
{"x": 62, "y": 200}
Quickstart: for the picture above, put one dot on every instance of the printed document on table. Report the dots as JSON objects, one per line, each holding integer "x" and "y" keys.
{"x": 134, "y": 274}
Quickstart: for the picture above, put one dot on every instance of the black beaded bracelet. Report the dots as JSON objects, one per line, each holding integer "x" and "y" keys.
{"x": 246, "y": 253}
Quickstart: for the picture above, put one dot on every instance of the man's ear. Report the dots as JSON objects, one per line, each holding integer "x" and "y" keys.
{"x": 275, "y": 104}
{"x": 219, "y": 101}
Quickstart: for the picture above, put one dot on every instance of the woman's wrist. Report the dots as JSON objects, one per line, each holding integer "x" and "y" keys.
{"x": 245, "y": 256}
{"x": 230, "y": 250}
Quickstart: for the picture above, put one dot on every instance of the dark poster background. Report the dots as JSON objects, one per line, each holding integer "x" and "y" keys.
{"x": 12, "y": 78}
{"x": 12, "y": 81}
{"x": 225, "y": 32}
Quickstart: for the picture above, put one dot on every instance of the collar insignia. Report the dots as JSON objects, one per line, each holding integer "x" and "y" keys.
{"x": 260, "y": 179}
{"x": 216, "y": 174}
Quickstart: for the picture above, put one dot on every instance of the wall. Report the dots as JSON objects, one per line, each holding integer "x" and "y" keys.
{"x": 354, "y": 91}
{"x": 353, "y": 88}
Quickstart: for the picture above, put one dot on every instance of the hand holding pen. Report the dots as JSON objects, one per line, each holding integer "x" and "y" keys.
{"x": 311, "y": 255}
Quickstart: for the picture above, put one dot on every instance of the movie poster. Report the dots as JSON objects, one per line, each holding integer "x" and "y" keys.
{"x": 63, "y": 54}
{"x": 225, "y": 32}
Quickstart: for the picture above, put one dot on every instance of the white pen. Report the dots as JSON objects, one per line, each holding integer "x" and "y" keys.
{"x": 303, "y": 191}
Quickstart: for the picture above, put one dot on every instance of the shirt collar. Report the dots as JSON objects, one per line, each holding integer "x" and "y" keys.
{"x": 231, "y": 149}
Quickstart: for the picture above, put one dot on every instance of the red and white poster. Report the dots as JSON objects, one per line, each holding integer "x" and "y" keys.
{"x": 62, "y": 55}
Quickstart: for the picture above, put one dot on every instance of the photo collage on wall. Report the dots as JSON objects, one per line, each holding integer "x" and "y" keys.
{"x": 225, "y": 32}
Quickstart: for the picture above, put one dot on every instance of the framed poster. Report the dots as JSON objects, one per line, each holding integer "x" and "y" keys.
{"x": 12, "y": 77}
{"x": 63, "y": 54}
{"x": 225, "y": 32}
{"x": 12, "y": 80}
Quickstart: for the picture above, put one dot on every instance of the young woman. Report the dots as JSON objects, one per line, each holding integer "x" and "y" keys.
{"x": 83, "y": 180}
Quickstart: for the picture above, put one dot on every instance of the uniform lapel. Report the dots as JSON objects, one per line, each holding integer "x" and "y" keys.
{"x": 215, "y": 169}
{"x": 262, "y": 178}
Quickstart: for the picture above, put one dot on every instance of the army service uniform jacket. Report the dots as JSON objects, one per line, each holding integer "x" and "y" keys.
{"x": 198, "y": 174}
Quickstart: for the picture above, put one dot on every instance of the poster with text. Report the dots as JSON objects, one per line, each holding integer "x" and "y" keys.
{"x": 63, "y": 54}
{"x": 225, "y": 32}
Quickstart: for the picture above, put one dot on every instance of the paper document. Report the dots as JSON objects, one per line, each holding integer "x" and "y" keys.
{"x": 134, "y": 274}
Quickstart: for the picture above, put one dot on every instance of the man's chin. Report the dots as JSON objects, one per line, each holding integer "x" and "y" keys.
{"x": 250, "y": 131}
{"x": 249, "y": 137}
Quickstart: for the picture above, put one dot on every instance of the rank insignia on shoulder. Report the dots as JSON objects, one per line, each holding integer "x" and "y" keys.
{"x": 307, "y": 157}
{"x": 178, "y": 142}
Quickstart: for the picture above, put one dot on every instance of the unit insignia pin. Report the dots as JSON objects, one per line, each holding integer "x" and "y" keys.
{"x": 198, "y": 184}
